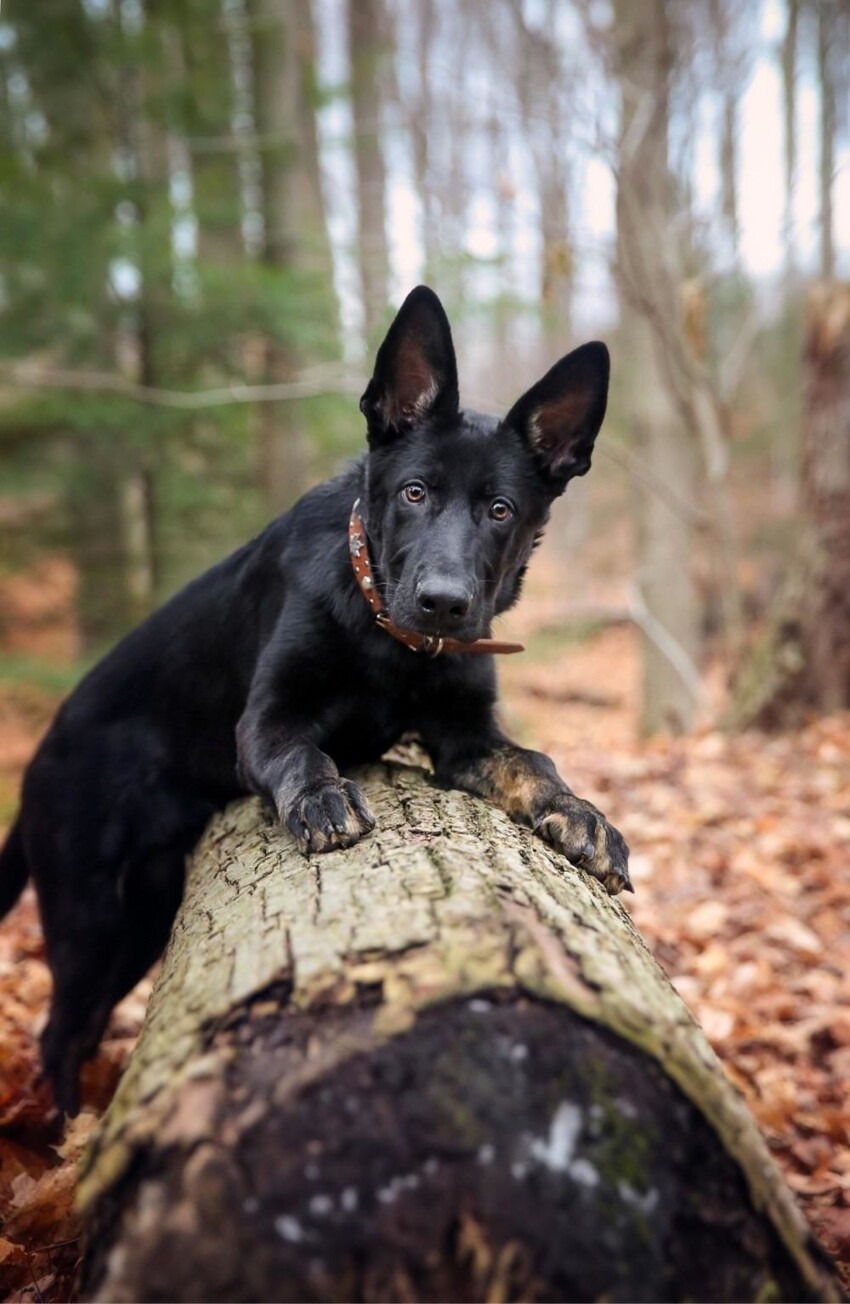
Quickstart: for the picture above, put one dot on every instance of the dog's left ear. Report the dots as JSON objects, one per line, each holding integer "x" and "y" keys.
{"x": 560, "y": 416}
{"x": 415, "y": 372}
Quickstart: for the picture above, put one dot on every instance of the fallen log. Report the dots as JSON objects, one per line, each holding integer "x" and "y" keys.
{"x": 440, "y": 1064}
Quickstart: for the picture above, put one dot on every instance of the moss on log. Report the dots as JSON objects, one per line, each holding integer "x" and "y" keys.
{"x": 440, "y": 1064}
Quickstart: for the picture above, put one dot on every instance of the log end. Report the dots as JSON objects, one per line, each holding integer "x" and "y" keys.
{"x": 502, "y": 1148}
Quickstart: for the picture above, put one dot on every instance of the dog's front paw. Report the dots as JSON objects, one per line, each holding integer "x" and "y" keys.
{"x": 331, "y": 816}
{"x": 585, "y": 837}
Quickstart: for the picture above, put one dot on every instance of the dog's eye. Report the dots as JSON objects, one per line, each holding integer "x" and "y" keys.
{"x": 413, "y": 492}
{"x": 501, "y": 510}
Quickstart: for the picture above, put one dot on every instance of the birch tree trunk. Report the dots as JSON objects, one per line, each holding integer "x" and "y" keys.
{"x": 441, "y": 1064}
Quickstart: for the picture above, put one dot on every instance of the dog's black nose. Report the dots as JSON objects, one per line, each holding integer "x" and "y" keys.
{"x": 445, "y": 601}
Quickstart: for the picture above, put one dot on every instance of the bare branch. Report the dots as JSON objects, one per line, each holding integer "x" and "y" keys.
{"x": 623, "y": 457}
{"x": 308, "y": 385}
{"x": 102, "y": 382}
{"x": 667, "y": 645}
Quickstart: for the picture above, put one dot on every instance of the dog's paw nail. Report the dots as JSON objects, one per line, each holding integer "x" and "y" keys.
{"x": 329, "y": 818}
{"x": 617, "y": 881}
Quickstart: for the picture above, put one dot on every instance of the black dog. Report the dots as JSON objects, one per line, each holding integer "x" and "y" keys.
{"x": 270, "y": 674}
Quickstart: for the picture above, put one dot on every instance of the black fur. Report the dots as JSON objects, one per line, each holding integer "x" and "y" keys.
{"x": 268, "y": 674}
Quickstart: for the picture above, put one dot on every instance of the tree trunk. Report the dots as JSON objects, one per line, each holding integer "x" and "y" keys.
{"x": 200, "y": 56}
{"x": 109, "y": 494}
{"x": 667, "y": 606}
{"x": 543, "y": 86}
{"x": 367, "y": 29}
{"x": 295, "y": 242}
{"x": 731, "y": 76}
{"x": 803, "y": 661}
{"x": 827, "y": 15}
{"x": 94, "y": 532}
{"x": 729, "y": 168}
{"x": 441, "y": 1064}
{"x": 789, "y": 150}
{"x": 143, "y": 136}
{"x": 419, "y": 124}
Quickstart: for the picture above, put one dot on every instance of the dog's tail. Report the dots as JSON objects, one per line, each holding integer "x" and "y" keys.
{"x": 14, "y": 869}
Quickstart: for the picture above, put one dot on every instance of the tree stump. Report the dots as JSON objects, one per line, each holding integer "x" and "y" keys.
{"x": 439, "y": 1065}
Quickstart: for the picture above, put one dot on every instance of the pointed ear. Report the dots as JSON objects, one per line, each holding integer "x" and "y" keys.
{"x": 560, "y": 416}
{"x": 415, "y": 371}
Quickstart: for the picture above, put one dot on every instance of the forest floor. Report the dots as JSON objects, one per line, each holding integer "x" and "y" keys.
{"x": 739, "y": 860}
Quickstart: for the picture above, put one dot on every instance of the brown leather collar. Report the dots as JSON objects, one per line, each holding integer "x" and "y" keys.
{"x": 430, "y": 643}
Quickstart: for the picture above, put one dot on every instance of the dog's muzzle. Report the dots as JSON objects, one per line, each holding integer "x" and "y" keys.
{"x": 431, "y": 644}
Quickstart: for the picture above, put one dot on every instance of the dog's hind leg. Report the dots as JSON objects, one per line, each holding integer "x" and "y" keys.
{"x": 83, "y": 953}
{"x": 97, "y": 963}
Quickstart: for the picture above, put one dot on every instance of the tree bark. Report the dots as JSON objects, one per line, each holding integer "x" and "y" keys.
{"x": 367, "y": 34}
{"x": 789, "y": 149}
{"x": 827, "y": 15}
{"x": 543, "y": 87}
{"x": 419, "y": 124}
{"x": 94, "y": 524}
{"x": 441, "y": 1064}
{"x": 669, "y": 607}
{"x": 731, "y": 76}
{"x": 296, "y": 245}
{"x": 142, "y": 134}
{"x": 803, "y": 661}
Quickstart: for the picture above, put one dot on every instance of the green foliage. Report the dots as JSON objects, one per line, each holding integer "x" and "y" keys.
{"x": 122, "y": 253}
{"x": 32, "y": 673}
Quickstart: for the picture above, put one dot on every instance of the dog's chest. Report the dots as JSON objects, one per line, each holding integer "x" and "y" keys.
{"x": 372, "y": 714}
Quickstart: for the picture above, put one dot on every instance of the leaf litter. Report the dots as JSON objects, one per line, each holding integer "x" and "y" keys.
{"x": 740, "y": 861}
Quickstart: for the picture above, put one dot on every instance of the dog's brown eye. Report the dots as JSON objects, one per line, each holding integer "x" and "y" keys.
{"x": 501, "y": 510}
{"x": 413, "y": 492}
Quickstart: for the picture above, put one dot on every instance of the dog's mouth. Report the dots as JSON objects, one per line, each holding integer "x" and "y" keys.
{"x": 468, "y": 634}
{"x": 467, "y": 628}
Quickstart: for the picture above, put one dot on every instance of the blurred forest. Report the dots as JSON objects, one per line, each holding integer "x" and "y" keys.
{"x": 209, "y": 210}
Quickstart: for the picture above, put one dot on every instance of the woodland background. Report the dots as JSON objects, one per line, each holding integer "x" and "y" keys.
{"x": 208, "y": 212}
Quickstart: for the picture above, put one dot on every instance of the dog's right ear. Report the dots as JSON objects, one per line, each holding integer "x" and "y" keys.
{"x": 415, "y": 372}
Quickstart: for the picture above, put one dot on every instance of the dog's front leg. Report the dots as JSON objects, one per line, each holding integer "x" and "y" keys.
{"x": 471, "y": 753}
{"x": 279, "y": 761}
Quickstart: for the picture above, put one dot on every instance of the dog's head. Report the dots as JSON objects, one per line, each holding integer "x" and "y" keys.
{"x": 457, "y": 499}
